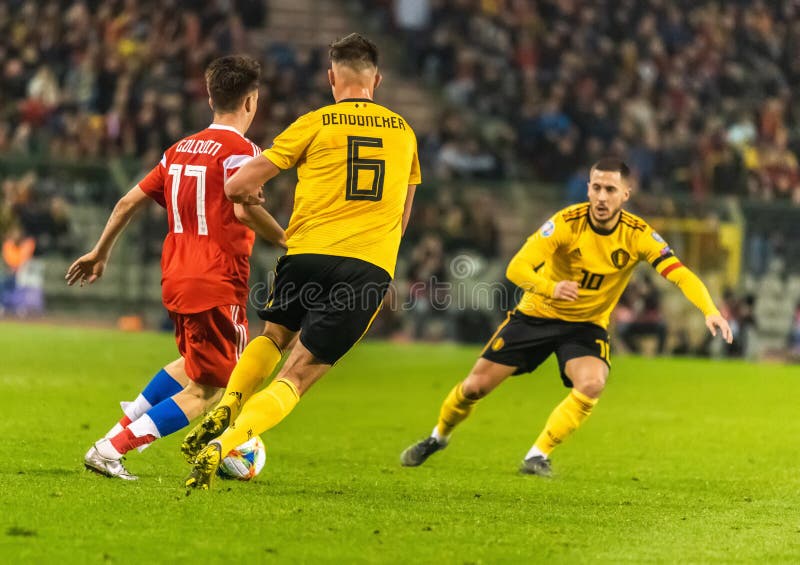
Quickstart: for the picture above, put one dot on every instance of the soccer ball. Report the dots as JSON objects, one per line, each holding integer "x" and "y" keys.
{"x": 245, "y": 462}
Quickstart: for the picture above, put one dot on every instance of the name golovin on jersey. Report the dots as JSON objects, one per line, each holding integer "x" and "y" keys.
{"x": 355, "y": 160}
{"x": 569, "y": 247}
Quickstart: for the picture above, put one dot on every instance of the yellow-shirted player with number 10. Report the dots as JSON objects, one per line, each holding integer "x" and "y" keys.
{"x": 357, "y": 170}
{"x": 573, "y": 271}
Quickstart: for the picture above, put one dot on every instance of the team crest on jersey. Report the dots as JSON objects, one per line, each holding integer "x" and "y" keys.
{"x": 620, "y": 258}
{"x": 498, "y": 344}
{"x": 548, "y": 228}
{"x": 658, "y": 238}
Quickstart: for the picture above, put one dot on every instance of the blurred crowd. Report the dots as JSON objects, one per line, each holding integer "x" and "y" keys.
{"x": 121, "y": 79}
{"x": 453, "y": 234}
{"x": 124, "y": 78}
{"x": 640, "y": 324}
{"x": 696, "y": 94}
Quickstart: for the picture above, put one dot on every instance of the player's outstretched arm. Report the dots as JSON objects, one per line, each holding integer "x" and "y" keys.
{"x": 697, "y": 293}
{"x": 244, "y": 187}
{"x": 261, "y": 222}
{"x": 90, "y": 267}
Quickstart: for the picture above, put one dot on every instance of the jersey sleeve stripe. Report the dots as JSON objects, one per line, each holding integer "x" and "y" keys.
{"x": 661, "y": 259}
{"x": 572, "y": 218}
{"x": 630, "y": 225}
{"x": 576, "y": 212}
{"x": 235, "y": 161}
{"x": 671, "y": 268}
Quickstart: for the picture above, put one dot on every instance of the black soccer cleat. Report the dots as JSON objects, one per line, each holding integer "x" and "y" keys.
{"x": 418, "y": 453}
{"x": 536, "y": 465}
{"x": 210, "y": 428}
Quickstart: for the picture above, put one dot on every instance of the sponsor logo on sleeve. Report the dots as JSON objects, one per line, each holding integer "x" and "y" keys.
{"x": 658, "y": 238}
{"x": 548, "y": 228}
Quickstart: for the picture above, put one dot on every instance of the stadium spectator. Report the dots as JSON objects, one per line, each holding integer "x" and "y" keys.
{"x": 18, "y": 249}
{"x": 31, "y": 203}
{"x": 427, "y": 277}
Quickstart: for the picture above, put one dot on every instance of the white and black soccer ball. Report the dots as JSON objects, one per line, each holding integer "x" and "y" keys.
{"x": 245, "y": 462}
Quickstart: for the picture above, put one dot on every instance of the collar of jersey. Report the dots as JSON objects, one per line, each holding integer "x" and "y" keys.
{"x": 228, "y": 128}
{"x": 355, "y": 100}
{"x": 601, "y": 231}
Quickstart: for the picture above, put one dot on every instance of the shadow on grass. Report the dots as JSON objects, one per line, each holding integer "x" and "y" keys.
{"x": 54, "y": 472}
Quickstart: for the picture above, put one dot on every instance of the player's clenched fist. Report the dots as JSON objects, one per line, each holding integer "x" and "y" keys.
{"x": 566, "y": 290}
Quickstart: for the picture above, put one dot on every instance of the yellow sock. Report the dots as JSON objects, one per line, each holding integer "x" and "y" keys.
{"x": 263, "y": 411}
{"x": 564, "y": 420}
{"x": 455, "y": 409}
{"x": 257, "y": 362}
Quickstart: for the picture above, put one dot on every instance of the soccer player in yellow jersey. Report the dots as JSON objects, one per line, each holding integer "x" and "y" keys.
{"x": 357, "y": 169}
{"x": 573, "y": 271}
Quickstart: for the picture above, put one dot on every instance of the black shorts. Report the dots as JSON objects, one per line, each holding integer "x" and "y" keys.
{"x": 525, "y": 342}
{"x": 330, "y": 300}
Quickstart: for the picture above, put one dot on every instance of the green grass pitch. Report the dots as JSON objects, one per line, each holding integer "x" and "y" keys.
{"x": 684, "y": 461}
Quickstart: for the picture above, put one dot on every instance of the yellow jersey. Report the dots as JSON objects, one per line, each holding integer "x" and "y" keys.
{"x": 569, "y": 247}
{"x": 355, "y": 160}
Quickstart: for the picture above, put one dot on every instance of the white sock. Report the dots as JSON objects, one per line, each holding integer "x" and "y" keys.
{"x": 439, "y": 437}
{"x": 534, "y": 452}
{"x": 142, "y": 427}
{"x": 133, "y": 410}
{"x": 107, "y": 450}
{"x": 137, "y": 408}
{"x": 114, "y": 431}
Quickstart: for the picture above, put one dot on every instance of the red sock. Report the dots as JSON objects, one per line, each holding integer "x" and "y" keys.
{"x": 125, "y": 441}
{"x": 125, "y": 421}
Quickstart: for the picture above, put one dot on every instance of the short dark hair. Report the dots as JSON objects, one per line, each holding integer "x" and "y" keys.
{"x": 354, "y": 50}
{"x": 229, "y": 79}
{"x": 613, "y": 165}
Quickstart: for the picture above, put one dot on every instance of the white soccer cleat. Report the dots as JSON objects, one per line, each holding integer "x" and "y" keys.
{"x": 108, "y": 467}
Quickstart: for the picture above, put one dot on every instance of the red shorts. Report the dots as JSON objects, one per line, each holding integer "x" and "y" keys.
{"x": 211, "y": 342}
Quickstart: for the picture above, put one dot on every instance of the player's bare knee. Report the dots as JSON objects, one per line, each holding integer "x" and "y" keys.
{"x": 590, "y": 384}
{"x": 477, "y": 385}
{"x": 204, "y": 393}
{"x": 176, "y": 369}
{"x": 484, "y": 378}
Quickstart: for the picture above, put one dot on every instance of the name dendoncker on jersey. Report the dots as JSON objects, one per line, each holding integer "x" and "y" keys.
{"x": 355, "y": 160}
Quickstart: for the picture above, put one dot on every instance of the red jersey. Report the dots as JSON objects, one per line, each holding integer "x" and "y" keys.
{"x": 205, "y": 260}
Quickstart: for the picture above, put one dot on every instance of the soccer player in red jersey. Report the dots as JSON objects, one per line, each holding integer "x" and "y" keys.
{"x": 205, "y": 264}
